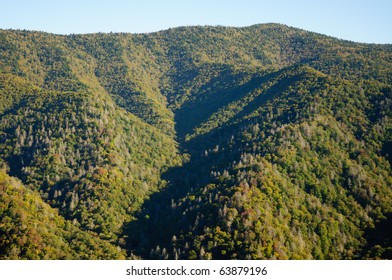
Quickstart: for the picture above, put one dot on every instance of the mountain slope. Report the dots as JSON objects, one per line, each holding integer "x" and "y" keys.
{"x": 95, "y": 164}
{"x": 198, "y": 142}
{"x": 31, "y": 229}
{"x": 275, "y": 181}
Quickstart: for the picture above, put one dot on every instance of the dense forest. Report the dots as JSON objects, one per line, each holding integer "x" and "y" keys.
{"x": 262, "y": 142}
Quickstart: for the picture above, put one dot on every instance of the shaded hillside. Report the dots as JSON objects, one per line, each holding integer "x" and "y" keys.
{"x": 263, "y": 142}
{"x": 275, "y": 181}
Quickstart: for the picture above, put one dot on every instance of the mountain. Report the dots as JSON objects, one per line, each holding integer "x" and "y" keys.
{"x": 262, "y": 142}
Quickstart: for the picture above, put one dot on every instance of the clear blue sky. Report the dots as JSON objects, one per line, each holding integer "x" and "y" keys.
{"x": 362, "y": 21}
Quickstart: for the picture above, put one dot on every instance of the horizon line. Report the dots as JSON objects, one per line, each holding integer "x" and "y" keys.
{"x": 190, "y": 26}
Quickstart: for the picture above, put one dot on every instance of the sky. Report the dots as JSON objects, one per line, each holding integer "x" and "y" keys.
{"x": 368, "y": 21}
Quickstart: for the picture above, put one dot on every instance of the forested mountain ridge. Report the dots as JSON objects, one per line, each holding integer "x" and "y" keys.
{"x": 261, "y": 142}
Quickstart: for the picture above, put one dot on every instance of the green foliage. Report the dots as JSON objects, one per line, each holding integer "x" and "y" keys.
{"x": 31, "y": 229}
{"x": 89, "y": 163}
{"x": 284, "y": 145}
